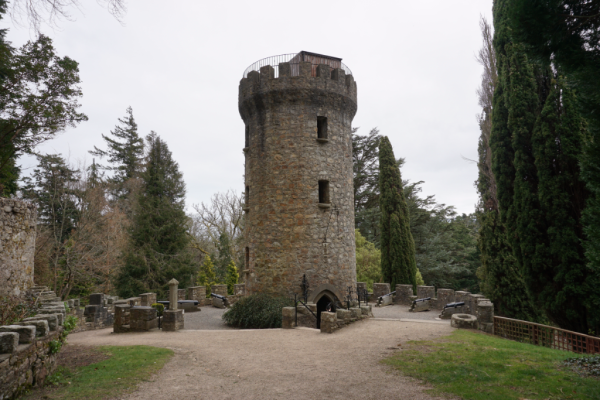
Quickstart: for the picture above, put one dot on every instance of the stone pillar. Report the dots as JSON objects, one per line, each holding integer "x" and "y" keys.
{"x": 444, "y": 296}
{"x": 379, "y": 289}
{"x": 180, "y": 294}
{"x": 328, "y": 322}
{"x": 485, "y": 316}
{"x": 172, "y": 320}
{"x": 288, "y": 317}
{"x": 356, "y": 313}
{"x": 425, "y": 291}
{"x": 147, "y": 299}
{"x": 403, "y": 294}
{"x": 173, "y": 294}
{"x": 220, "y": 290}
{"x": 143, "y": 319}
{"x": 473, "y": 298}
{"x": 97, "y": 299}
{"x": 122, "y": 318}
{"x": 460, "y": 296}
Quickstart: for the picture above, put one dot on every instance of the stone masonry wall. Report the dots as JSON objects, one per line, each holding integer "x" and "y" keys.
{"x": 17, "y": 245}
{"x": 288, "y": 232}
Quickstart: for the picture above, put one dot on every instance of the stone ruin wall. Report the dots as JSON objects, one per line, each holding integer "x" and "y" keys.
{"x": 285, "y": 225}
{"x": 17, "y": 245}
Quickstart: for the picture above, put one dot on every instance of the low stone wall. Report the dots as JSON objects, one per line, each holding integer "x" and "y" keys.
{"x": 27, "y": 366}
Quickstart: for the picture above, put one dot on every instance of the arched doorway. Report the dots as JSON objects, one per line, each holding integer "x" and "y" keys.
{"x": 325, "y": 303}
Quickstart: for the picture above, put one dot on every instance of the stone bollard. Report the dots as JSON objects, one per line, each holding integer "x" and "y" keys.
{"x": 70, "y": 303}
{"x": 288, "y": 317}
{"x": 147, "y": 299}
{"x": 425, "y": 291}
{"x": 328, "y": 322}
{"x": 9, "y": 342}
{"x": 403, "y": 293}
{"x": 122, "y": 318}
{"x": 51, "y": 318}
{"x": 26, "y": 332}
{"x": 346, "y": 315}
{"x": 485, "y": 316}
{"x": 460, "y": 296}
{"x": 180, "y": 294}
{"x": 444, "y": 296}
{"x": 173, "y": 294}
{"x": 366, "y": 311}
{"x": 172, "y": 320}
{"x": 76, "y": 303}
{"x": 142, "y": 319}
{"x": 356, "y": 312}
{"x": 379, "y": 289}
{"x": 464, "y": 321}
{"x": 41, "y": 327}
{"x": 472, "y": 301}
{"x": 97, "y": 299}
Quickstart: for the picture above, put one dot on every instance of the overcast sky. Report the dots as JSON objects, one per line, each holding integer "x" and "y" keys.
{"x": 178, "y": 65}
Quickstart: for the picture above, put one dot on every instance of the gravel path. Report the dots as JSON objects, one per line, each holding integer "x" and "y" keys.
{"x": 207, "y": 319}
{"x": 401, "y": 312}
{"x": 275, "y": 363}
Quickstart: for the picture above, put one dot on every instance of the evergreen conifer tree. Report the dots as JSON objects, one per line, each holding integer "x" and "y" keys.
{"x": 536, "y": 144}
{"x": 125, "y": 152}
{"x": 397, "y": 245}
{"x": 232, "y": 277}
{"x": 157, "y": 236}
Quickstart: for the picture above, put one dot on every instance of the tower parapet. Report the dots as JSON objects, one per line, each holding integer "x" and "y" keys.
{"x": 299, "y": 181}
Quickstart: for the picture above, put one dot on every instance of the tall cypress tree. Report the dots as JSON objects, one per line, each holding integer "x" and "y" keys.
{"x": 536, "y": 144}
{"x": 157, "y": 237}
{"x": 397, "y": 245}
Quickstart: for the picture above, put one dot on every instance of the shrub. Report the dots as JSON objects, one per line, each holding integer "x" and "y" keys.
{"x": 258, "y": 311}
{"x": 160, "y": 308}
{"x": 16, "y": 308}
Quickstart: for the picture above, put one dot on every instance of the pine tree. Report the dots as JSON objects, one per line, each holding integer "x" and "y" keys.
{"x": 125, "y": 153}
{"x": 397, "y": 245}
{"x": 232, "y": 277}
{"x": 157, "y": 237}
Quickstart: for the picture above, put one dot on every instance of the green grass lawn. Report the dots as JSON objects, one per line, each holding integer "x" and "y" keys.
{"x": 477, "y": 366}
{"x": 119, "y": 374}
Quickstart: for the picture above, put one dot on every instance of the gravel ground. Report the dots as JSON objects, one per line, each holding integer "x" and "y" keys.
{"x": 207, "y": 319}
{"x": 401, "y": 312}
{"x": 278, "y": 364}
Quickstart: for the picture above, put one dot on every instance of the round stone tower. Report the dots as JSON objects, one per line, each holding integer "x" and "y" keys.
{"x": 299, "y": 205}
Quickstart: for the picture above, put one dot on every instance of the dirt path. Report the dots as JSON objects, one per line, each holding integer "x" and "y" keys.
{"x": 278, "y": 364}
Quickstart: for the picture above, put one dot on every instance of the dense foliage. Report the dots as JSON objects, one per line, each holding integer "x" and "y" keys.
{"x": 397, "y": 245}
{"x": 537, "y": 141}
{"x": 158, "y": 237}
{"x": 258, "y": 311}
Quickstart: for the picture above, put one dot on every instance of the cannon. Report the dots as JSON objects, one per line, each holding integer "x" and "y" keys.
{"x": 454, "y": 305}
{"x": 421, "y": 300}
{"x": 221, "y": 301}
{"x": 386, "y": 299}
{"x": 420, "y": 304}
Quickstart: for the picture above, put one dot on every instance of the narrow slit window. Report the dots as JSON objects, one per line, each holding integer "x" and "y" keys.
{"x": 247, "y": 196}
{"x": 324, "y": 192}
{"x": 322, "y": 127}
{"x": 247, "y": 136}
{"x": 247, "y": 257}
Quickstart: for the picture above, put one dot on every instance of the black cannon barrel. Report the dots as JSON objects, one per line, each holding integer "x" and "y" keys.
{"x": 388, "y": 294}
{"x": 218, "y": 296}
{"x": 454, "y": 305}
{"x": 420, "y": 300}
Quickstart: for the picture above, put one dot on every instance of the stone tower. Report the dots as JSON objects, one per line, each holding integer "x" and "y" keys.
{"x": 299, "y": 205}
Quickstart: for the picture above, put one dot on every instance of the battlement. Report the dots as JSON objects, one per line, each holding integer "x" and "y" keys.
{"x": 302, "y": 75}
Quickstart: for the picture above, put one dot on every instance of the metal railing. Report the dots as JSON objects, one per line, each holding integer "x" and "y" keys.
{"x": 544, "y": 335}
{"x": 294, "y": 59}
